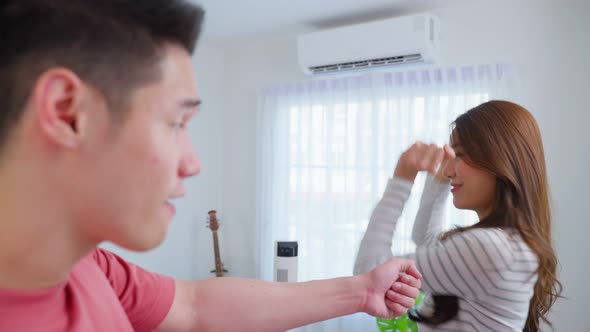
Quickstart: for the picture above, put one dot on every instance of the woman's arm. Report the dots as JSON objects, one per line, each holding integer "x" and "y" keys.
{"x": 375, "y": 246}
{"x": 429, "y": 219}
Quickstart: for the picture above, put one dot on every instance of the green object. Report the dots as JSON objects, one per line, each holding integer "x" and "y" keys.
{"x": 401, "y": 323}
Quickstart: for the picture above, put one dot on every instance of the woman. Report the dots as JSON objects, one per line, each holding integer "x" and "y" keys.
{"x": 500, "y": 273}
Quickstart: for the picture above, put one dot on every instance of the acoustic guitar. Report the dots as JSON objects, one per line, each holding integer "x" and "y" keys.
{"x": 214, "y": 226}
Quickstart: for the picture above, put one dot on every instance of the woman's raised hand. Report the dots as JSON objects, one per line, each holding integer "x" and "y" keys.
{"x": 424, "y": 157}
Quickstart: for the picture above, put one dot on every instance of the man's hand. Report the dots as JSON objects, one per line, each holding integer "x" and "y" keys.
{"x": 392, "y": 288}
{"x": 424, "y": 157}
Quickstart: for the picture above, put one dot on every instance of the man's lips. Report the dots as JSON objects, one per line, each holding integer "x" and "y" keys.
{"x": 170, "y": 203}
{"x": 170, "y": 207}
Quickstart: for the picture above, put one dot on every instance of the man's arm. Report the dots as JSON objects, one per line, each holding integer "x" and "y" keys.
{"x": 224, "y": 304}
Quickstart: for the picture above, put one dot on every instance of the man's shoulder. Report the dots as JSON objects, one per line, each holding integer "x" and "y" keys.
{"x": 90, "y": 271}
{"x": 86, "y": 297}
{"x": 92, "y": 259}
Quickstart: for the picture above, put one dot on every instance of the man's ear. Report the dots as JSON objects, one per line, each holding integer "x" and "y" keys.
{"x": 57, "y": 101}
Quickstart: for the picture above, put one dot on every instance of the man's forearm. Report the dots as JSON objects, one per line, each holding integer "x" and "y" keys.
{"x": 226, "y": 304}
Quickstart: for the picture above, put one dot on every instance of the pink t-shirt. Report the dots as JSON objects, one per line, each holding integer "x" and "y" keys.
{"x": 102, "y": 293}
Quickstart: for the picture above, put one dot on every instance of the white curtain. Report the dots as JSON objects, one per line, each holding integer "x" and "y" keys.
{"x": 326, "y": 148}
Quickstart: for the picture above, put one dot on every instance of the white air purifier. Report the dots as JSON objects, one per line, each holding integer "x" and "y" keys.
{"x": 285, "y": 261}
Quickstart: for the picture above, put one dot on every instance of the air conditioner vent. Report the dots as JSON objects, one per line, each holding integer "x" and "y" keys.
{"x": 410, "y": 58}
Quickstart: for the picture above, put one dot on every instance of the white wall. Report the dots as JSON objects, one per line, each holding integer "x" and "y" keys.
{"x": 547, "y": 40}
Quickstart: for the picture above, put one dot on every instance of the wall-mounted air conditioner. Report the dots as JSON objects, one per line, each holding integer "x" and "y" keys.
{"x": 402, "y": 40}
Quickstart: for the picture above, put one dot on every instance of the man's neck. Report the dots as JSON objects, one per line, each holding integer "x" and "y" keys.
{"x": 38, "y": 245}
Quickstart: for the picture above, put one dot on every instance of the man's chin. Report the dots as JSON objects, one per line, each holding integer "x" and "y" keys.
{"x": 144, "y": 242}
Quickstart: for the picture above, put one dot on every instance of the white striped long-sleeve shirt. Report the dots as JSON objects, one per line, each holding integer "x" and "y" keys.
{"x": 492, "y": 271}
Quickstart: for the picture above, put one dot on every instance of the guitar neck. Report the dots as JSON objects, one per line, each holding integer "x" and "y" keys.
{"x": 218, "y": 265}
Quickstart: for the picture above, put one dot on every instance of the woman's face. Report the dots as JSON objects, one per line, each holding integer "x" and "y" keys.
{"x": 472, "y": 188}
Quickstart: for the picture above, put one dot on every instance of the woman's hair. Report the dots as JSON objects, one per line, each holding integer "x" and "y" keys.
{"x": 503, "y": 138}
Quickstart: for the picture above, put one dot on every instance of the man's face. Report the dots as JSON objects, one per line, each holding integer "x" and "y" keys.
{"x": 133, "y": 169}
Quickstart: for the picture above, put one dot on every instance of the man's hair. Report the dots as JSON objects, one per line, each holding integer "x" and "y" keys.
{"x": 113, "y": 45}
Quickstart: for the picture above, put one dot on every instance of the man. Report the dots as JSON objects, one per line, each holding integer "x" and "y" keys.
{"x": 95, "y": 98}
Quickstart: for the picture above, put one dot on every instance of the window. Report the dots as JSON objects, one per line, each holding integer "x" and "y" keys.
{"x": 327, "y": 150}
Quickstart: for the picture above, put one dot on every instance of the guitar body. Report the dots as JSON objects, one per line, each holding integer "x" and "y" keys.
{"x": 214, "y": 226}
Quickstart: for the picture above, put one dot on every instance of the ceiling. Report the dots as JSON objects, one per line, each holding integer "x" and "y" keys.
{"x": 231, "y": 20}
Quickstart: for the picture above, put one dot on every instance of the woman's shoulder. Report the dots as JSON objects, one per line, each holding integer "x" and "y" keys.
{"x": 493, "y": 235}
{"x": 485, "y": 236}
{"x": 500, "y": 245}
